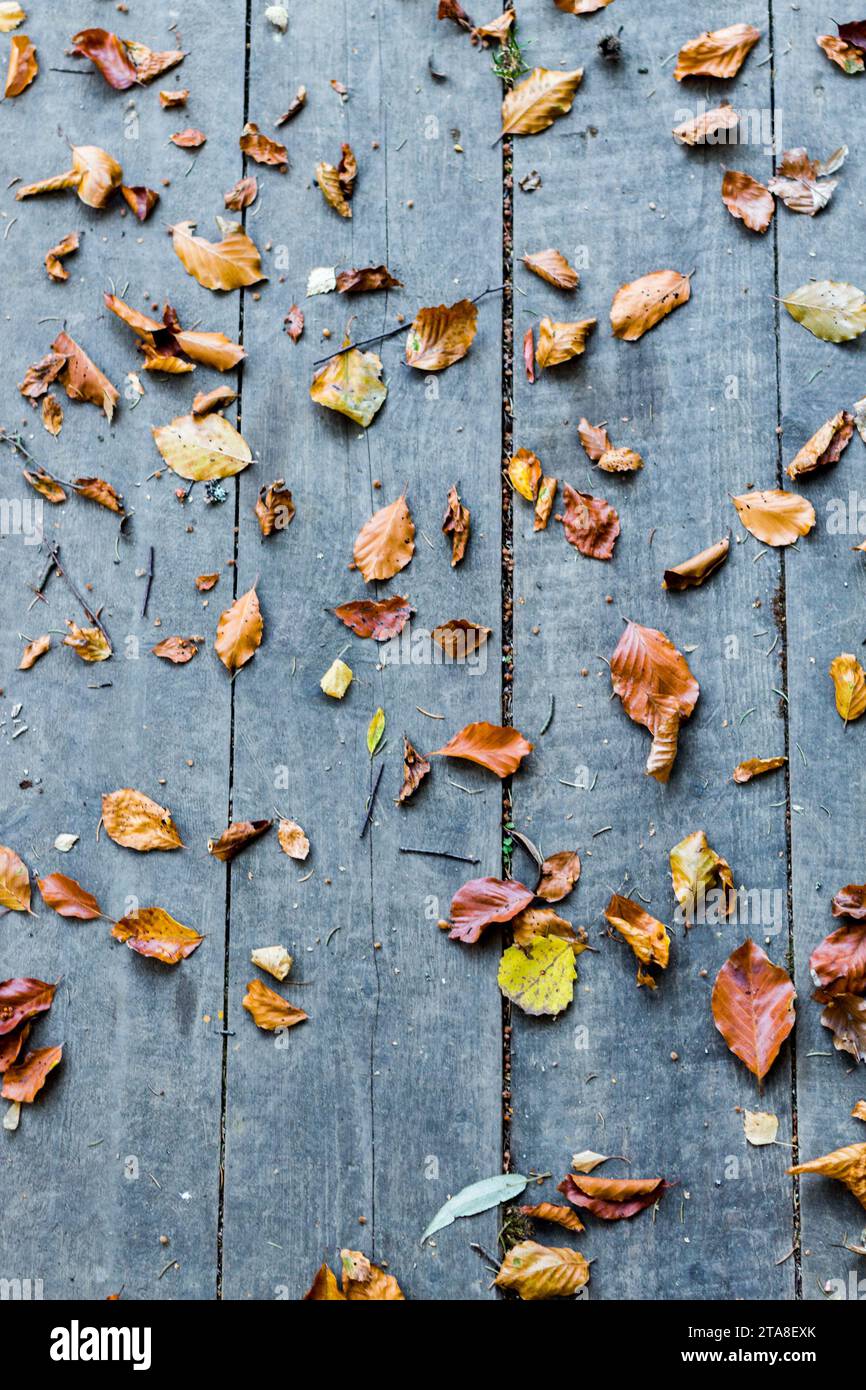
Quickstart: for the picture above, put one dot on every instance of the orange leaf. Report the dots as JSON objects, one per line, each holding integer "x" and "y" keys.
{"x": 24, "y": 1081}
{"x": 560, "y": 342}
{"x": 850, "y": 901}
{"x": 178, "y": 650}
{"x": 747, "y": 200}
{"x": 534, "y": 1271}
{"x": 459, "y": 637}
{"x": 98, "y": 490}
{"x": 68, "y": 898}
{"x": 140, "y": 200}
{"x": 269, "y": 1009}
{"x": 109, "y": 56}
{"x": 32, "y": 652}
{"x": 262, "y": 149}
{"x": 640, "y": 305}
{"x": 756, "y": 767}
{"x": 497, "y": 748}
{"x": 552, "y": 266}
{"x": 656, "y": 688}
{"x": 150, "y": 931}
{"x": 23, "y": 999}
{"x": 482, "y": 901}
{"x": 533, "y": 104}
{"x": 52, "y": 258}
{"x": 692, "y": 573}
{"x": 647, "y": 937}
{"x": 293, "y": 841}
{"x": 850, "y": 684}
{"x": 720, "y": 53}
{"x": 848, "y": 1165}
{"x": 192, "y": 139}
{"x": 222, "y": 265}
{"x": 753, "y": 1007}
{"x": 704, "y": 128}
{"x": 775, "y": 517}
{"x": 594, "y": 439}
{"x": 525, "y": 473}
{"x": 386, "y": 543}
{"x": 237, "y": 837}
{"x": 88, "y": 643}
{"x": 94, "y": 176}
{"x": 242, "y": 194}
{"x": 274, "y": 507}
{"x": 825, "y": 446}
{"x": 544, "y": 502}
{"x": 442, "y": 335}
{"x": 239, "y": 632}
{"x": 591, "y": 524}
{"x": 838, "y": 965}
{"x": 52, "y": 416}
{"x": 559, "y": 1216}
{"x": 843, "y": 54}
{"x": 23, "y": 66}
{"x": 131, "y": 819}
{"x": 559, "y": 873}
{"x": 324, "y": 1288}
{"x": 14, "y": 883}
{"x": 82, "y": 378}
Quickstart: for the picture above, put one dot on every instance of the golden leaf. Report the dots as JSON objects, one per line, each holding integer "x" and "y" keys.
{"x": 825, "y": 446}
{"x": 848, "y": 1165}
{"x": 52, "y": 416}
{"x": 366, "y": 1282}
{"x": 351, "y": 384}
{"x": 717, "y": 54}
{"x": 525, "y": 473}
{"x": 536, "y": 1271}
{"x": 131, "y": 819}
{"x": 640, "y": 305}
{"x": 552, "y": 266}
{"x": 90, "y": 643}
{"x": 337, "y": 679}
{"x": 534, "y": 104}
{"x": 222, "y": 265}
{"x": 23, "y": 66}
{"x": 94, "y": 175}
{"x": 559, "y": 1216}
{"x": 647, "y": 937}
{"x": 832, "y": 310}
{"x": 441, "y": 335}
{"x": 32, "y": 652}
{"x": 386, "y": 543}
{"x": 620, "y": 461}
{"x": 269, "y": 1009}
{"x": 756, "y": 767}
{"x": 202, "y": 447}
{"x": 14, "y": 883}
{"x": 848, "y": 678}
{"x": 747, "y": 200}
{"x": 775, "y": 517}
{"x": 540, "y": 977}
{"x": 239, "y": 632}
{"x": 696, "y": 872}
{"x": 560, "y": 342}
{"x": 150, "y": 931}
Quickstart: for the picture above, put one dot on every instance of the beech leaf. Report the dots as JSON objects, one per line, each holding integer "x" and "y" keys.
{"x": 534, "y": 1271}
{"x": 386, "y": 543}
{"x": 223, "y": 265}
{"x": 483, "y": 901}
{"x": 499, "y": 749}
{"x": 441, "y": 335}
{"x": 831, "y": 309}
{"x": 534, "y": 104}
{"x": 775, "y": 516}
{"x": 850, "y": 685}
{"x": 150, "y": 931}
{"x": 640, "y": 305}
{"x": 540, "y": 977}
{"x": 131, "y": 819}
{"x": 720, "y": 53}
{"x": 657, "y": 690}
{"x": 239, "y": 632}
{"x": 415, "y": 769}
{"x": 14, "y": 884}
{"x": 753, "y": 1007}
{"x": 68, "y": 898}
{"x": 351, "y": 383}
{"x": 23, "y": 1081}
{"x": 270, "y": 1010}
{"x": 847, "y": 1165}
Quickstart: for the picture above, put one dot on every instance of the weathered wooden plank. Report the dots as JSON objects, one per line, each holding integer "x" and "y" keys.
{"x": 696, "y": 399}
{"x": 824, "y": 588}
{"x": 123, "y": 1145}
{"x": 388, "y": 1100}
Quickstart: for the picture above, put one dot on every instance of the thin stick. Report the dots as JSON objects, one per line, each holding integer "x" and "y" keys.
{"x": 149, "y": 575}
{"x": 392, "y": 332}
{"x": 55, "y": 555}
{"x": 441, "y": 854}
{"x": 38, "y": 588}
{"x": 371, "y": 803}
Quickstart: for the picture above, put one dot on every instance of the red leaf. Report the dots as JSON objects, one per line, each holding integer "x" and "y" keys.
{"x": 485, "y": 900}
{"x": 753, "y": 1007}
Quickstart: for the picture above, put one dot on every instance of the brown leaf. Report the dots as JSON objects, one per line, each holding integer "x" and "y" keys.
{"x": 366, "y": 1282}
{"x": 720, "y": 53}
{"x": 804, "y": 184}
{"x": 150, "y": 931}
{"x": 533, "y": 922}
{"x": 262, "y": 149}
{"x": 294, "y": 323}
{"x": 274, "y": 507}
{"x": 533, "y": 104}
{"x": 702, "y": 130}
{"x": 843, "y": 54}
{"x": 149, "y": 64}
{"x": 131, "y": 819}
{"x": 692, "y": 573}
{"x": 440, "y": 336}
{"x": 123, "y": 64}
{"x": 218, "y": 265}
{"x": 459, "y": 638}
{"x": 11, "y": 1045}
{"x": 208, "y": 401}
{"x": 205, "y": 582}
{"x": 753, "y": 1007}
{"x": 559, "y": 873}
{"x": 456, "y": 524}
{"x": 41, "y": 375}
{"x": 529, "y": 355}
{"x": 850, "y": 684}
{"x": 293, "y": 841}
{"x": 53, "y": 257}
{"x": 498, "y": 29}
{"x": 24, "y": 1081}
{"x": 552, "y": 266}
{"x": 52, "y": 419}
{"x": 324, "y": 1288}
{"x": 380, "y": 619}
{"x": 155, "y": 361}
{"x": 32, "y": 652}
{"x": 838, "y": 965}
{"x": 178, "y": 650}
{"x": 620, "y": 461}
{"x": 94, "y": 175}
{"x": 140, "y": 200}
{"x": 239, "y": 632}
{"x": 211, "y": 349}
{"x": 371, "y": 277}
{"x": 68, "y": 898}
{"x": 82, "y": 378}
{"x": 544, "y": 502}
{"x": 350, "y": 383}
{"x": 525, "y": 473}
{"x": 612, "y": 1199}
{"x": 534, "y": 1271}
{"x": 640, "y": 305}
{"x": 655, "y": 685}
{"x": 269, "y": 1009}
{"x": 177, "y": 97}
{"x": 338, "y": 184}
{"x": 45, "y": 485}
{"x": 845, "y": 1016}
{"x": 88, "y": 643}
{"x": 482, "y": 901}
{"x": 99, "y": 491}
{"x": 242, "y": 194}
{"x": 238, "y": 835}
{"x": 386, "y": 543}
{"x": 848, "y": 1165}
{"x": 747, "y": 200}
{"x": 190, "y": 139}
{"x": 756, "y": 767}
{"x": 591, "y": 524}
{"x": 297, "y": 104}
{"x": 14, "y": 883}
{"x": 499, "y": 749}
{"x": 560, "y": 342}
{"x": 699, "y": 874}
{"x": 23, "y": 66}
{"x": 850, "y": 901}
{"x": 647, "y": 937}
{"x": 825, "y": 446}
{"x": 775, "y": 517}
{"x": 415, "y": 769}
{"x": 452, "y": 9}
{"x": 23, "y": 999}
{"x": 594, "y": 439}
{"x": 559, "y": 1216}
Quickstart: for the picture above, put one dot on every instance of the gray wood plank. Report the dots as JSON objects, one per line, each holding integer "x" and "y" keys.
{"x": 620, "y": 195}
{"x": 824, "y": 587}
{"x": 122, "y": 1147}
{"x": 388, "y": 1100}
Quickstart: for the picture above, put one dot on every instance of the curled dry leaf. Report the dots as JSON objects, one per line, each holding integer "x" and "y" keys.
{"x": 756, "y": 767}
{"x": 23, "y": 66}
{"x": 88, "y": 643}
{"x": 366, "y": 1282}
{"x": 11, "y": 1045}
{"x": 559, "y": 873}
{"x": 274, "y": 959}
{"x": 500, "y": 749}
{"x": 153, "y": 932}
{"x": 82, "y": 378}
{"x": 262, "y": 149}
{"x": 351, "y": 383}
{"x": 845, "y": 1016}
{"x": 482, "y": 901}
{"x": 41, "y": 375}
{"x": 560, "y": 342}
{"x": 269, "y": 1009}
{"x": 529, "y": 355}
{"x": 94, "y": 175}
{"x": 293, "y": 841}
{"x": 612, "y": 1199}
{"x": 557, "y": 1215}
{"x": 775, "y": 517}
{"x": 850, "y": 901}
{"x": 459, "y": 638}
{"x": 456, "y": 524}
{"x": 701, "y": 880}
{"x": 639, "y": 305}
{"x": 141, "y": 201}
{"x": 594, "y": 438}
{"x": 68, "y": 898}
{"x": 386, "y": 543}
{"x": 748, "y": 200}
{"x": 544, "y": 502}
{"x": 832, "y": 310}
{"x": 534, "y": 104}
{"x": 131, "y": 819}
{"x": 297, "y": 104}
{"x": 25, "y": 1080}
{"x": 692, "y": 573}
{"x": 498, "y": 29}
{"x": 850, "y": 685}
{"x": 242, "y": 194}
{"x": 123, "y": 62}
{"x": 52, "y": 415}
{"x": 337, "y": 679}
{"x": 380, "y": 619}
{"x": 441, "y": 335}
{"x": 238, "y": 835}
{"x": 452, "y": 9}
{"x": 14, "y": 887}
{"x": 32, "y": 652}
{"x": 533, "y": 922}
{"x": 178, "y": 650}
{"x": 753, "y": 1007}
{"x": 274, "y": 507}
{"x": 415, "y": 769}
{"x": 534, "y": 1271}
{"x": 162, "y": 341}
{"x": 620, "y": 461}
{"x": 847, "y": 1165}
{"x": 804, "y": 184}
{"x": 190, "y": 139}
{"x": 23, "y": 999}
{"x": 201, "y": 447}
{"x": 371, "y": 277}
{"x": 208, "y": 401}
{"x": 294, "y": 323}
{"x": 338, "y": 184}
{"x": 552, "y": 266}
{"x": 843, "y": 54}
{"x": 45, "y": 485}
{"x": 720, "y": 53}
{"x": 708, "y": 127}
{"x": 540, "y": 976}
{"x": 218, "y": 265}
{"x": 53, "y": 257}
{"x": 179, "y": 96}
{"x": 525, "y": 473}
{"x": 11, "y": 15}
{"x": 239, "y": 632}
{"x": 838, "y": 965}
{"x": 825, "y": 447}
{"x": 205, "y": 582}
{"x": 647, "y": 937}
{"x": 591, "y": 524}
{"x": 99, "y": 491}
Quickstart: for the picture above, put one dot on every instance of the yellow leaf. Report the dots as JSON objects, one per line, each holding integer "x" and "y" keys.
{"x": 536, "y": 1271}
{"x": 696, "y": 871}
{"x": 11, "y": 15}
{"x": 239, "y": 632}
{"x": 646, "y": 936}
{"x": 328, "y": 179}
{"x": 131, "y": 819}
{"x": 539, "y": 978}
{"x": 524, "y": 473}
{"x": 351, "y": 384}
{"x": 14, "y": 881}
{"x": 202, "y": 447}
{"x": 218, "y": 265}
{"x": 23, "y": 66}
{"x": 337, "y": 679}
{"x": 375, "y": 731}
{"x": 533, "y": 104}
{"x": 150, "y": 931}
{"x": 831, "y": 309}
{"x": 848, "y": 678}
{"x": 760, "y": 1127}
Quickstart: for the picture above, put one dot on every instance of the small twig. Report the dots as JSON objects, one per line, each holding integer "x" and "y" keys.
{"x": 149, "y": 577}
{"x": 549, "y": 720}
{"x": 368, "y": 817}
{"x": 55, "y": 555}
{"x": 440, "y": 854}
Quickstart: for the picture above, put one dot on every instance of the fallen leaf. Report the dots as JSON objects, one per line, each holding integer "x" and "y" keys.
{"x": 692, "y": 573}
{"x": 207, "y": 401}
{"x": 367, "y": 279}
{"x": 557, "y": 876}
{"x": 594, "y": 439}
{"x": 297, "y": 104}
{"x": 202, "y": 447}
{"x": 825, "y": 446}
{"x": 832, "y": 310}
{"x": 456, "y": 524}
{"x": 131, "y": 819}
{"x": 775, "y": 517}
{"x": 459, "y": 638}
{"x": 844, "y": 55}
{"x": 380, "y": 619}
{"x": 720, "y": 53}
{"x": 534, "y": 1271}
{"x": 753, "y": 1007}
{"x": 499, "y": 749}
{"x": 452, "y": 9}
{"x": 122, "y": 62}
{"x": 88, "y": 643}
{"x": 23, "y": 66}
{"x": 150, "y": 931}
{"x": 535, "y": 922}
{"x": 544, "y": 502}
{"x": 238, "y": 835}
{"x": 698, "y": 874}
{"x": 639, "y": 305}
{"x": 529, "y": 355}
{"x": 274, "y": 507}
{"x": 338, "y": 183}
{"x": 853, "y": 32}
{"x": 560, "y": 342}
{"x": 477, "y": 1197}
{"x": 581, "y": 6}
{"x": 441, "y": 335}
{"x": 620, "y": 461}
{"x": 850, "y": 901}
{"x": 11, "y": 15}
{"x": 756, "y": 767}
{"x": 613, "y": 1199}
{"x": 859, "y": 1111}
{"x": 375, "y": 730}
{"x": 22, "y": 999}
{"x": 41, "y": 375}
{"x": 239, "y": 632}
{"x": 838, "y": 965}
{"x": 269, "y": 1009}
{"x": 52, "y": 416}
{"x": 205, "y": 582}
{"x": 850, "y": 683}
{"x": 94, "y": 175}
{"x": 847, "y": 1165}
{"x": 53, "y": 257}
{"x": 294, "y": 323}
{"x": 703, "y": 129}
{"x": 498, "y": 29}
{"x": 192, "y": 139}
{"x": 540, "y": 977}
{"x": 366, "y": 1282}
{"x": 804, "y": 184}
{"x": 647, "y": 937}
{"x": 532, "y": 105}
{"x": 14, "y": 888}
{"x": 99, "y": 491}
{"x": 178, "y": 650}
{"x": 222, "y": 265}
{"x": 415, "y": 769}
{"x": 262, "y": 149}
{"x": 24, "y": 1081}
{"x": 82, "y": 378}
{"x": 483, "y": 901}
{"x": 324, "y": 1288}
{"x": 591, "y": 524}
{"x": 68, "y": 898}
{"x": 587, "y": 1160}
{"x": 558, "y": 1216}
{"x": 386, "y": 543}
{"x": 292, "y": 839}
{"x": 179, "y": 96}
{"x": 760, "y": 1127}
{"x": 351, "y": 383}
{"x": 552, "y": 266}
{"x": 140, "y": 200}
{"x": 747, "y": 200}
{"x": 242, "y": 194}
{"x": 45, "y": 485}
{"x": 337, "y": 679}
{"x": 525, "y": 473}
{"x": 11, "y": 1045}
{"x": 845, "y": 1016}
{"x": 274, "y": 959}
{"x": 32, "y": 652}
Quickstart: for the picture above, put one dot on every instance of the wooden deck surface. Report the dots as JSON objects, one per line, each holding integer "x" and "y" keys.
{"x": 171, "y": 1115}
